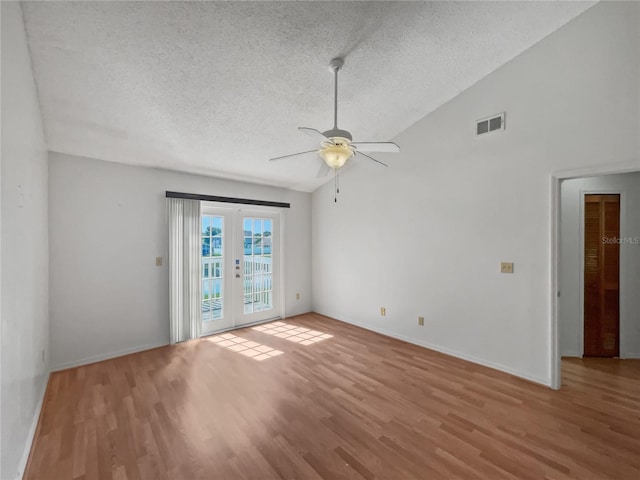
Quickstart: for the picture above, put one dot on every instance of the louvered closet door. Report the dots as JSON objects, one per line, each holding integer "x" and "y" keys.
{"x": 601, "y": 275}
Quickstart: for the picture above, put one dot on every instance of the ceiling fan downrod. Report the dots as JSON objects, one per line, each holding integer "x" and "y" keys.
{"x": 335, "y": 65}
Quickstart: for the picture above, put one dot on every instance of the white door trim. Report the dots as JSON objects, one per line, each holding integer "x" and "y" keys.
{"x": 555, "y": 374}
{"x": 236, "y": 211}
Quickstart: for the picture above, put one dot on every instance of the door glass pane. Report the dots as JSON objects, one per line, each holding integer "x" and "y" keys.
{"x": 257, "y": 261}
{"x": 257, "y": 304}
{"x": 266, "y": 239}
{"x": 216, "y": 271}
{"x": 206, "y": 304}
{"x": 212, "y": 262}
{"x": 216, "y": 229}
{"x": 268, "y": 295}
{"x": 216, "y": 246}
{"x": 216, "y": 299}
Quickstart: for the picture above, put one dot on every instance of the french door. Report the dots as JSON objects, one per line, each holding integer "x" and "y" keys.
{"x": 240, "y": 267}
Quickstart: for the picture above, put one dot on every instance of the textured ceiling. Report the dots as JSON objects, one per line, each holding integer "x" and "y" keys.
{"x": 219, "y": 87}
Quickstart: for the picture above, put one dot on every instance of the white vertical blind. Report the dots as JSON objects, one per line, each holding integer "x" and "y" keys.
{"x": 184, "y": 269}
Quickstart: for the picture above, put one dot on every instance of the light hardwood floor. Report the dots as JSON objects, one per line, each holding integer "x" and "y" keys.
{"x": 339, "y": 402}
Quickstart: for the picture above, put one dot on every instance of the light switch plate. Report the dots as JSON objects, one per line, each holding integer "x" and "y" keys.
{"x": 506, "y": 267}
{"x": 383, "y": 311}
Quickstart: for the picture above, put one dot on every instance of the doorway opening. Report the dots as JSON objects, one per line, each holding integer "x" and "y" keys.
{"x": 595, "y": 260}
{"x": 240, "y": 267}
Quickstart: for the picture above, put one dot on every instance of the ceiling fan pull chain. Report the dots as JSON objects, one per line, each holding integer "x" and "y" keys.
{"x": 337, "y": 182}
{"x": 335, "y": 185}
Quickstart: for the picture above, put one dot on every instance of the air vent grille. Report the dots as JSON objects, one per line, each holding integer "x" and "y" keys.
{"x": 490, "y": 124}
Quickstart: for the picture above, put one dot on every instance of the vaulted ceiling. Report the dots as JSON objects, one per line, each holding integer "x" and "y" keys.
{"x": 219, "y": 87}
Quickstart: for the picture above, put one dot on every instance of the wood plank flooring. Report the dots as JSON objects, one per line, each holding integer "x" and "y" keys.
{"x": 332, "y": 402}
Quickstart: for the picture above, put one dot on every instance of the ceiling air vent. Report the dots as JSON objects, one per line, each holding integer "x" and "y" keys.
{"x": 494, "y": 123}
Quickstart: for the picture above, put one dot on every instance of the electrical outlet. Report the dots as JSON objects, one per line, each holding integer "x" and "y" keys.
{"x": 506, "y": 267}
{"x": 297, "y": 296}
{"x": 383, "y": 311}
{"x": 421, "y": 321}
{"x": 158, "y": 261}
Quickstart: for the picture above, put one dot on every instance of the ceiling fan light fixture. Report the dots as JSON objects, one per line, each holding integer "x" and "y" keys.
{"x": 336, "y": 155}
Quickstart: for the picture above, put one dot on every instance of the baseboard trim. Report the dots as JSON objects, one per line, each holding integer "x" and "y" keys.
{"x": 630, "y": 356}
{"x": 32, "y": 430}
{"x": 571, "y": 355}
{"x": 623, "y": 356}
{"x": 463, "y": 356}
{"x": 105, "y": 356}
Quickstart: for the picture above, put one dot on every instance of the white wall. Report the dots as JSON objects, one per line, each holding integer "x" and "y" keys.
{"x": 107, "y": 225}
{"x": 426, "y": 236}
{"x": 570, "y": 310}
{"x": 24, "y": 251}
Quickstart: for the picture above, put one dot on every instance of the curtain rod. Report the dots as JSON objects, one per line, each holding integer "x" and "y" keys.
{"x": 212, "y": 198}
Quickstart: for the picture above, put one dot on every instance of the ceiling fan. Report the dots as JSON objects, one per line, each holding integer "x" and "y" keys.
{"x": 336, "y": 145}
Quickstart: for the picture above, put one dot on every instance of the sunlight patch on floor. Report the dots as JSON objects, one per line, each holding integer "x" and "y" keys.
{"x": 245, "y": 347}
{"x": 293, "y": 333}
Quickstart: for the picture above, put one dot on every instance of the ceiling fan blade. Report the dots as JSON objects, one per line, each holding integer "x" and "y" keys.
{"x": 371, "y": 158}
{"x": 387, "y": 147}
{"x": 315, "y": 134}
{"x": 324, "y": 170}
{"x": 292, "y": 155}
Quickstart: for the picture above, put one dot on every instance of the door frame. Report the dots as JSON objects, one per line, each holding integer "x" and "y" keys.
{"x": 556, "y": 178}
{"x": 622, "y": 268}
{"x": 276, "y": 270}
{"x": 236, "y": 210}
{"x": 227, "y": 266}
